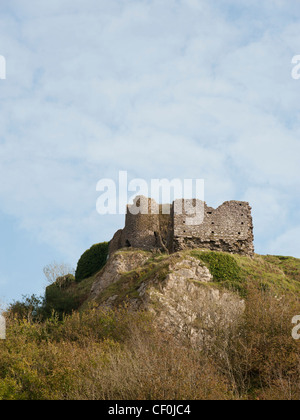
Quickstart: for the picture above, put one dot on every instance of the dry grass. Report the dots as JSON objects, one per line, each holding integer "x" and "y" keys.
{"x": 120, "y": 355}
{"x": 259, "y": 357}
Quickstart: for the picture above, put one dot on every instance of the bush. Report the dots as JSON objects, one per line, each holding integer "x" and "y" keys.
{"x": 31, "y": 307}
{"x": 118, "y": 354}
{"x": 60, "y": 300}
{"x": 92, "y": 261}
{"x": 222, "y": 266}
{"x": 224, "y": 269}
{"x": 65, "y": 281}
{"x": 260, "y": 358}
{"x": 103, "y": 355}
{"x": 54, "y": 270}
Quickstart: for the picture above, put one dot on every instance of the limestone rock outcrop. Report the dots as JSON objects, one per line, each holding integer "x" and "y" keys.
{"x": 179, "y": 289}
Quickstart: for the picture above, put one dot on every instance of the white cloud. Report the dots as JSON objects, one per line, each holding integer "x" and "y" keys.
{"x": 287, "y": 243}
{"x": 269, "y": 210}
{"x": 158, "y": 89}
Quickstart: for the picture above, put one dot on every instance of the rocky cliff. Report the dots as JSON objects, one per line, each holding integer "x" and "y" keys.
{"x": 192, "y": 293}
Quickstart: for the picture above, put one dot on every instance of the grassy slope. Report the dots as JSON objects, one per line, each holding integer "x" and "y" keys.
{"x": 96, "y": 354}
{"x": 234, "y": 272}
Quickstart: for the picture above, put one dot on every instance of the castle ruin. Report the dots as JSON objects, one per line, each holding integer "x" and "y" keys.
{"x": 177, "y": 226}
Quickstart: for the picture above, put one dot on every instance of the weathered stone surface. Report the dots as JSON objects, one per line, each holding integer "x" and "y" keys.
{"x": 179, "y": 291}
{"x": 186, "y": 304}
{"x": 187, "y": 309}
{"x": 119, "y": 264}
{"x": 228, "y": 228}
{"x": 145, "y": 227}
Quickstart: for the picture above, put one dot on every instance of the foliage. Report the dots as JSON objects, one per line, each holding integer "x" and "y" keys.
{"x": 224, "y": 269}
{"x": 60, "y": 299}
{"x": 115, "y": 355}
{"x": 91, "y": 261}
{"x": 289, "y": 265}
{"x": 120, "y": 355}
{"x": 31, "y": 307}
{"x": 260, "y": 355}
{"x": 65, "y": 281}
{"x": 57, "y": 270}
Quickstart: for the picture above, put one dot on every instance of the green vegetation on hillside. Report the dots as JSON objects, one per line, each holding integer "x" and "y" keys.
{"x": 65, "y": 300}
{"x": 69, "y": 349}
{"x": 232, "y": 272}
{"x": 237, "y": 273}
{"x": 91, "y": 261}
{"x": 61, "y": 299}
{"x": 289, "y": 265}
{"x": 119, "y": 354}
{"x": 127, "y": 286}
{"x": 224, "y": 269}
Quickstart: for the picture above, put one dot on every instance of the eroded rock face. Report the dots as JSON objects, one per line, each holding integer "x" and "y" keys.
{"x": 179, "y": 291}
{"x": 120, "y": 263}
{"x": 186, "y": 304}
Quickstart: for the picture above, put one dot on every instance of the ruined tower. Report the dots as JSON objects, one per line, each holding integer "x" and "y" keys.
{"x": 186, "y": 224}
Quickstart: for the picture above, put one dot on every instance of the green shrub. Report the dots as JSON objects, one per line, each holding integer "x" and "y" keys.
{"x": 60, "y": 300}
{"x": 224, "y": 269}
{"x": 92, "y": 261}
{"x": 31, "y": 307}
{"x": 222, "y": 266}
{"x": 65, "y": 281}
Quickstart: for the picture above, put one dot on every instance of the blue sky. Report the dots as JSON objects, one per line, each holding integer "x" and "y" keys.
{"x": 159, "y": 88}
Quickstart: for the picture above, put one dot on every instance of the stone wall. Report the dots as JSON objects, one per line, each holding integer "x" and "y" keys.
{"x": 190, "y": 224}
{"x": 228, "y": 228}
{"x": 146, "y": 227}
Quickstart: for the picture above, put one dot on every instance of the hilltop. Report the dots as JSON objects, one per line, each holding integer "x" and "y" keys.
{"x": 195, "y": 324}
{"x": 185, "y": 290}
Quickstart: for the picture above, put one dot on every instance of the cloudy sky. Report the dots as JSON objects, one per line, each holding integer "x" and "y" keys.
{"x": 158, "y": 88}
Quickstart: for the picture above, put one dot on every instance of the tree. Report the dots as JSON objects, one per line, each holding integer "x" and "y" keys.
{"x": 31, "y": 307}
{"x": 91, "y": 261}
{"x": 55, "y": 271}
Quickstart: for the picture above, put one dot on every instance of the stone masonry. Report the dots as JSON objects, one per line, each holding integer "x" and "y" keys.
{"x": 174, "y": 227}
